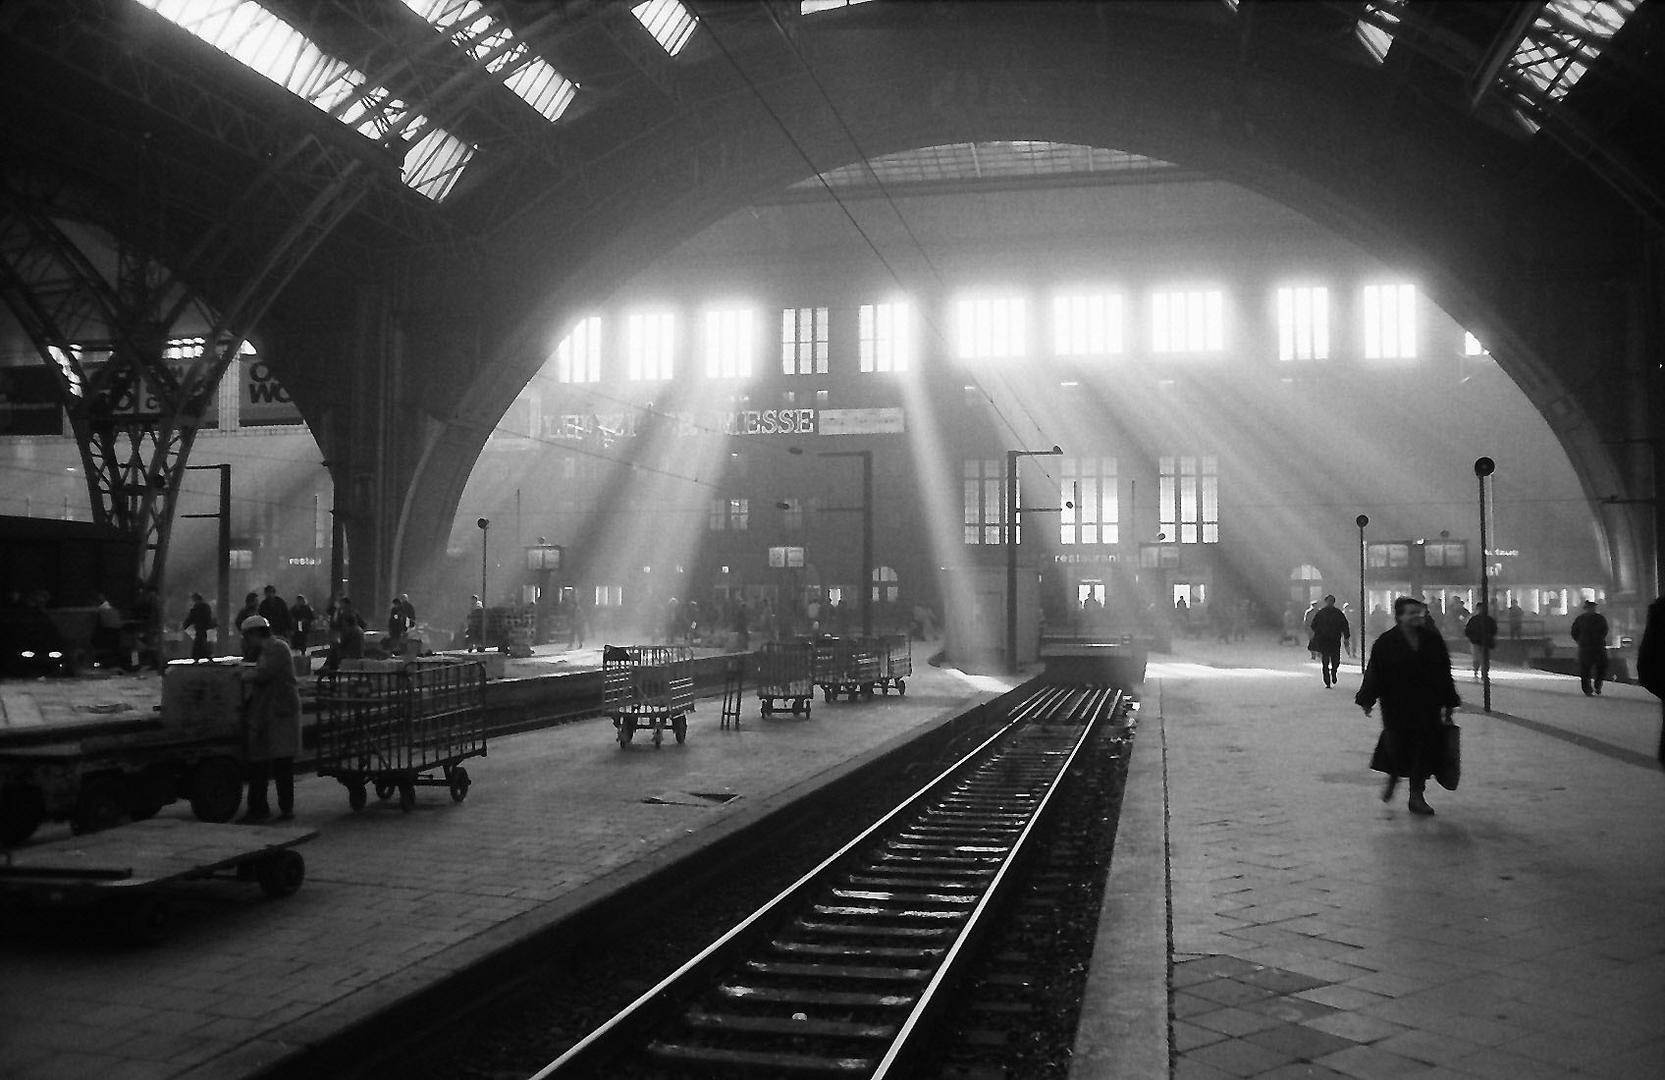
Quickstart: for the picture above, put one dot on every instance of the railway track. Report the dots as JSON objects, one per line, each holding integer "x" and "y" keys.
{"x": 843, "y": 972}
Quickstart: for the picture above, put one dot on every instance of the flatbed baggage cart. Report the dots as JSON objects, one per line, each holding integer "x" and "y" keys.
{"x": 786, "y": 673}
{"x": 895, "y": 662}
{"x": 849, "y": 666}
{"x": 647, "y": 686}
{"x": 120, "y": 873}
{"x": 409, "y": 725}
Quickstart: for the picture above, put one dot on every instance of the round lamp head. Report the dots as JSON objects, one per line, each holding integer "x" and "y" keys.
{"x": 484, "y": 523}
{"x": 1362, "y": 520}
{"x": 1484, "y": 466}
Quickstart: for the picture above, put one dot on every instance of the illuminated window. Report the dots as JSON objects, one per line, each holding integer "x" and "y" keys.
{"x": 1304, "y": 323}
{"x": 609, "y": 596}
{"x": 649, "y": 343}
{"x": 990, "y": 328}
{"x": 1565, "y": 39}
{"x": 1376, "y": 28}
{"x": 730, "y": 341}
{"x": 886, "y": 588}
{"x": 578, "y": 356}
{"x": 1188, "y": 321}
{"x": 1472, "y": 346}
{"x": 886, "y": 337}
{"x": 1188, "y": 491}
{"x": 1090, "y": 484}
{"x": 985, "y": 501}
{"x": 1389, "y": 322}
{"x": 1388, "y": 556}
{"x": 668, "y": 21}
{"x": 729, "y": 514}
{"x": 803, "y": 341}
{"x": 492, "y": 44}
{"x": 1445, "y": 553}
{"x": 1087, "y": 324}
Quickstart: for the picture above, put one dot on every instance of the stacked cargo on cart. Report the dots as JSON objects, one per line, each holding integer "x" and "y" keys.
{"x": 648, "y": 686}
{"x": 895, "y": 653}
{"x": 402, "y": 726}
{"x": 99, "y": 763}
{"x": 786, "y": 673}
{"x": 849, "y": 666}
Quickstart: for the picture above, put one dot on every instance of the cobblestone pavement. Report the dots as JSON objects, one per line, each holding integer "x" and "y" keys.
{"x": 1318, "y": 932}
{"x": 393, "y": 901}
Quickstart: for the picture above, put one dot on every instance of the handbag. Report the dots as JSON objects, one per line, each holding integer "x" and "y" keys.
{"x": 1450, "y": 771}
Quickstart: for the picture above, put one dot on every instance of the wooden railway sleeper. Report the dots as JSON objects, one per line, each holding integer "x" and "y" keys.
{"x": 832, "y": 999}
{"x": 871, "y": 930}
{"x": 773, "y": 1063}
{"x": 789, "y": 1027}
{"x": 786, "y": 969}
{"x": 915, "y": 953}
{"x": 876, "y": 896}
{"x": 854, "y": 911}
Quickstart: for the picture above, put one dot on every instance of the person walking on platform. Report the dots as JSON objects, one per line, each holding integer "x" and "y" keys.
{"x": 275, "y": 612}
{"x": 1329, "y": 630}
{"x": 301, "y": 616}
{"x": 273, "y": 718}
{"x": 1590, "y": 631}
{"x": 1650, "y": 661}
{"x": 1410, "y": 675}
{"x": 346, "y": 634}
{"x": 1481, "y": 631}
{"x": 1517, "y": 618}
{"x": 199, "y": 620}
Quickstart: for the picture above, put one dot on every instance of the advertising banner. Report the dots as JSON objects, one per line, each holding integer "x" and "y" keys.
{"x": 861, "y": 421}
{"x": 263, "y": 400}
{"x": 29, "y": 402}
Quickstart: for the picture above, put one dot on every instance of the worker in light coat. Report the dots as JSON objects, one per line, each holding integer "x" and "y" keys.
{"x": 272, "y": 719}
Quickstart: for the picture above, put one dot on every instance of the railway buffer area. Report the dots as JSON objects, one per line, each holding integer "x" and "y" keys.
{"x": 845, "y": 971}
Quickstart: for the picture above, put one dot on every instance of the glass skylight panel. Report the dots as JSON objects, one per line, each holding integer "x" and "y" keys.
{"x": 1087, "y": 324}
{"x": 1473, "y": 347}
{"x": 1565, "y": 40}
{"x": 668, "y": 21}
{"x": 269, "y": 46}
{"x": 1377, "y": 39}
{"x": 1303, "y": 323}
{"x": 1389, "y": 322}
{"x": 476, "y": 32}
{"x": 1188, "y": 321}
{"x": 990, "y": 328}
{"x": 730, "y": 341}
{"x": 810, "y": 7}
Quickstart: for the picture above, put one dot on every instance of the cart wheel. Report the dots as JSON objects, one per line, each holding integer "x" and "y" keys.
{"x": 901, "y": 687}
{"x": 280, "y": 873}
{"x": 102, "y": 805}
{"x": 797, "y": 706}
{"x": 216, "y": 790}
{"x": 357, "y": 796}
{"x": 459, "y": 784}
{"x": 385, "y": 789}
{"x": 136, "y": 917}
{"x": 21, "y": 811}
{"x": 679, "y": 728}
{"x": 658, "y": 737}
{"x": 407, "y": 795}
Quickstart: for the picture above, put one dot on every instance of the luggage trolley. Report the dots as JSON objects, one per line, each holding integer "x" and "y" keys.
{"x": 848, "y": 666}
{"x": 647, "y": 686}
{"x": 895, "y": 662}
{"x": 786, "y": 672}
{"x": 396, "y": 728}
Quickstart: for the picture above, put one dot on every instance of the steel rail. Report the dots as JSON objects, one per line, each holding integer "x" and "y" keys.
{"x": 629, "y": 1030}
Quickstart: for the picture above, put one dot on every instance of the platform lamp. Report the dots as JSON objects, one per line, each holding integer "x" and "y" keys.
{"x": 1361, "y": 521}
{"x": 485, "y": 535}
{"x": 1484, "y": 467}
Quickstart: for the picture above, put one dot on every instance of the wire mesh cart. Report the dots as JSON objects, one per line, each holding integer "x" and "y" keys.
{"x": 848, "y": 666}
{"x": 647, "y": 686}
{"x": 895, "y": 662}
{"x": 401, "y": 728}
{"x": 786, "y": 673}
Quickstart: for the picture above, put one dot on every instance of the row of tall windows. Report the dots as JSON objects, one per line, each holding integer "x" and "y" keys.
{"x": 1188, "y": 489}
{"x": 990, "y": 328}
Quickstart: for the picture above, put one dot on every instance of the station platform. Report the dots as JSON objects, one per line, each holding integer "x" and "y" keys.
{"x": 1273, "y": 918}
{"x": 394, "y": 902}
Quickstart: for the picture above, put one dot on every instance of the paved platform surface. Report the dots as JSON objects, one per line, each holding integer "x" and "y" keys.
{"x": 1318, "y": 932}
{"x": 395, "y": 901}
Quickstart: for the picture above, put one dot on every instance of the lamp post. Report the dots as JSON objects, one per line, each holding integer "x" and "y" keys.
{"x": 1011, "y": 538}
{"x": 1364, "y": 628}
{"x": 485, "y": 535}
{"x": 866, "y": 510}
{"x": 1484, "y": 467}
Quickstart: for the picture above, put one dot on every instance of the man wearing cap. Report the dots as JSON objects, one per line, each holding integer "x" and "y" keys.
{"x": 275, "y": 612}
{"x": 1329, "y": 630}
{"x": 272, "y": 720}
{"x": 1590, "y": 631}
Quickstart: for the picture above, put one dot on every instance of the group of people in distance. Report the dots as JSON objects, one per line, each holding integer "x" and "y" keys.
{"x": 1409, "y": 676}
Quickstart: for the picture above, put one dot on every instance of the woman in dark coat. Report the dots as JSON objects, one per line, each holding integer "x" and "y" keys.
{"x": 1410, "y": 674}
